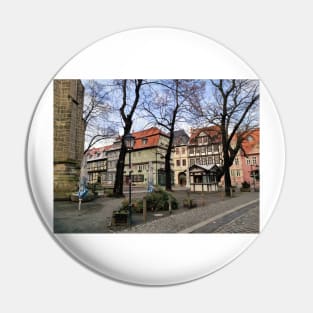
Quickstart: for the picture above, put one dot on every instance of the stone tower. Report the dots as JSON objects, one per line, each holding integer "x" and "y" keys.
{"x": 69, "y": 134}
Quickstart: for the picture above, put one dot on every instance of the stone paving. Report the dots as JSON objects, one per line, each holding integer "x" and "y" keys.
{"x": 245, "y": 223}
{"x": 179, "y": 222}
{"x": 95, "y": 216}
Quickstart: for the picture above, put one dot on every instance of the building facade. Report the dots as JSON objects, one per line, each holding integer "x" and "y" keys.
{"x": 205, "y": 146}
{"x": 69, "y": 133}
{"x": 250, "y": 158}
{"x": 203, "y": 178}
{"x": 97, "y": 166}
{"x": 148, "y": 157}
{"x": 147, "y": 160}
{"x": 180, "y": 158}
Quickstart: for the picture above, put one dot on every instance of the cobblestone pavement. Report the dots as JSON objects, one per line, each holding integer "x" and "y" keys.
{"x": 179, "y": 222}
{"x": 245, "y": 223}
{"x": 95, "y": 216}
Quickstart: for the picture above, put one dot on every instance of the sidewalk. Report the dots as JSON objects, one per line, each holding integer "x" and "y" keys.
{"x": 186, "y": 220}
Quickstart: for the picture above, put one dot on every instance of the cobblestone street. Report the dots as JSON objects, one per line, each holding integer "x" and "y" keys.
{"x": 245, "y": 223}
{"x": 214, "y": 213}
{"x": 217, "y": 215}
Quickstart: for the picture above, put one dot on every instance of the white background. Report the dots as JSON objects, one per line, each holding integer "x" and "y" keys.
{"x": 275, "y": 273}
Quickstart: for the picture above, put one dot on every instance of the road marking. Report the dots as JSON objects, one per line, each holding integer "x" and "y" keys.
{"x": 211, "y": 219}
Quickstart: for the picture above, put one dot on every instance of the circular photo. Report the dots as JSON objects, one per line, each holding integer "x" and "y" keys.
{"x": 155, "y": 156}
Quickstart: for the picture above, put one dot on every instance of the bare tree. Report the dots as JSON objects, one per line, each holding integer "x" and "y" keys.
{"x": 170, "y": 106}
{"x": 232, "y": 105}
{"x": 96, "y": 113}
{"x": 130, "y": 98}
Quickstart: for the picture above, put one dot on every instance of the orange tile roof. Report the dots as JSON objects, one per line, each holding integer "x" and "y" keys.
{"x": 94, "y": 151}
{"x": 212, "y": 131}
{"x": 251, "y": 146}
{"x": 152, "y": 136}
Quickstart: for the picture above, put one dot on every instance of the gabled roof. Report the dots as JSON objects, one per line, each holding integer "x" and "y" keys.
{"x": 147, "y": 138}
{"x": 251, "y": 143}
{"x": 180, "y": 137}
{"x": 207, "y": 168}
{"x": 94, "y": 154}
{"x": 213, "y": 132}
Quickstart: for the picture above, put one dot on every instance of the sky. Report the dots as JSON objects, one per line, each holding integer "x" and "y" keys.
{"x": 114, "y": 100}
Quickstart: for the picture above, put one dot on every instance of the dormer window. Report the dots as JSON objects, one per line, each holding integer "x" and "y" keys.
{"x": 144, "y": 141}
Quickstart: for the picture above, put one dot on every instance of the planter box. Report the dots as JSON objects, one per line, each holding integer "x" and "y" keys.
{"x": 245, "y": 189}
{"x": 119, "y": 218}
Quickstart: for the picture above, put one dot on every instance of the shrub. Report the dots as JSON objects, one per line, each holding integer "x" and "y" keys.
{"x": 245, "y": 184}
{"x": 156, "y": 201}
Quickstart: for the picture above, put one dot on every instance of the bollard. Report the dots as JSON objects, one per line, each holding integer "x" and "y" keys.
{"x": 144, "y": 209}
{"x": 202, "y": 199}
{"x": 170, "y": 206}
{"x": 79, "y": 203}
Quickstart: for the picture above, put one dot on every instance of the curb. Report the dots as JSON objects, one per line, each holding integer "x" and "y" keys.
{"x": 211, "y": 219}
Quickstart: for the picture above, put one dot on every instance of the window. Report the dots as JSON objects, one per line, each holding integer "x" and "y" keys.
{"x": 232, "y": 172}
{"x": 204, "y": 161}
{"x": 248, "y": 161}
{"x": 215, "y": 147}
{"x": 238, "y": 173}
{"x": 183, "y": 150}
{"x": 192, "y": 151}
{"x": 210, "y": 160}
{"x": 144, "y": 141}
{"x": 198, "y": 161}
{"x": 192, "y": 162}
{"x": 177, "y": 150}
{"x": 254, "y": 160}
{"x": 137, "y": 178}
{"x": 184, "y": 162}
{"x": 198, "y": 150}
{"x": 177, "y": 162}
{"x": 209, "y": 148}
{"x": 236, "y": 161}
{"x": 216, "y": 159}
{"x": 203, "y": 150}
{"x": 250, "y": 138}
{"x": 140, "y": 168}
{"x": 199, "y": 140}
{"x": 205, "y": 139}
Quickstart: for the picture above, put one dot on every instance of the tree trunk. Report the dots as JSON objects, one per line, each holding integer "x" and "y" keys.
{"x": 168, "y": 174}
{"x": 120, "y": 166}
{"x": 227, "y": 181}
{"x": 119, "y": 177}
{"x": 127, "y": 118}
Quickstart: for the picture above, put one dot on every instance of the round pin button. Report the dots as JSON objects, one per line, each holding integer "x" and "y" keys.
{"x": 155, "y": 156}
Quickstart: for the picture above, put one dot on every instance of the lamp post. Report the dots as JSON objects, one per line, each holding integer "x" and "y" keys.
{"x": 129, "y": 142}
{"x": 252, "y": 173}
{"x": 156, "y": 164}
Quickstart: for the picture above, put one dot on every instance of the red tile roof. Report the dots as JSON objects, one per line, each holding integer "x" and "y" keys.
{"x": 251, "y": 145}
{"x": 151, "y": 136}
{"x": 212, "y": 131}
{"x": 94, "y": 151}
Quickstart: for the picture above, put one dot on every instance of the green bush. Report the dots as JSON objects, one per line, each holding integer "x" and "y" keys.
{"x": 245, "y": 185}
{"x": 156, "y": 201}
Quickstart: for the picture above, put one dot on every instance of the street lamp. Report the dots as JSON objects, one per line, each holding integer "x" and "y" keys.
{"x": 129, "y": 142}
{"x": 252, "y": 173}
